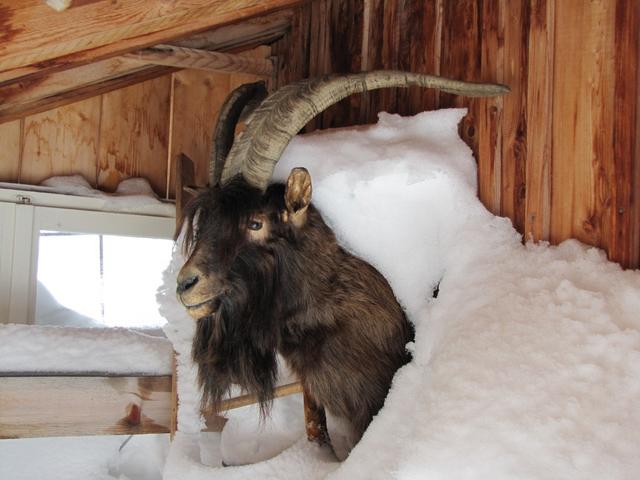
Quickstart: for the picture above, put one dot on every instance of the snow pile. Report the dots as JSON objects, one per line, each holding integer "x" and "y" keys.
{"x": 140, "y": 457}
{"x": 53, "y": 349}
{"x": 132, "y": 195}
{"x": 527, "y": 365}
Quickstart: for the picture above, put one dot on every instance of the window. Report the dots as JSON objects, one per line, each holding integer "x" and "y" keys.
{"x": 68, "y": 260}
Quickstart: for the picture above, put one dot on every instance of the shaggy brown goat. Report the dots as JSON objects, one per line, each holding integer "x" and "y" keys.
{"x": 266, "y": 275}
{"x": 277, "y": 281}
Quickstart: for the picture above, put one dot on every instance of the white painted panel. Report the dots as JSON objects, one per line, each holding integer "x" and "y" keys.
{"x": 7, "y": 219}
{"x": 21, "y": 281}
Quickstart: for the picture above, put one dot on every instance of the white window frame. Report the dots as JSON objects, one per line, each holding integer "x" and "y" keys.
{"x": 26, "y": 212}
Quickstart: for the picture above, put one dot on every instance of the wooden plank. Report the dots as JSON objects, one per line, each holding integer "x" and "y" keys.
{"x": 343, "y": 26}
{"x": 623, "y": 229}
{"x": 198, "y": 97}
{"x": 173, "y": 422}
{"x": 491, "y": 114}
{"x": 243, "y": 35}
{"x": 62, "y": 406}
{"x": 583, "y": 90}
{"x": 384, "y": 43}
{"x": 63, "y": 141}
{"x": 181, "y": 57}
{"x": 32, "y": 88}
{"x": 292, "y": 51}
{"x": 510, "y": 197}
{"x": 134, "y": 135}
{"x": 11, "y": 111}
{"x": 102, "y": 28}
{"x": 462, "y": 59}
{"x": 39, "y": 92}
{"x": 10, "y": 151}
{"x": 239, "y": 78}
{"x": 250, "y": 399}
{"x": 419, "y": 51}
{"x": 539, "y": 120}
{"x": 20, "y": 94}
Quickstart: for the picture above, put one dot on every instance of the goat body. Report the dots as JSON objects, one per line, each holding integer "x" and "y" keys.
{"x": 266, "y": 275}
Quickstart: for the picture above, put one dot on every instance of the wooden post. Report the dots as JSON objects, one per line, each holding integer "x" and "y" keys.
{"x": 181, "y": 57}
{"x": 173, "y": 425}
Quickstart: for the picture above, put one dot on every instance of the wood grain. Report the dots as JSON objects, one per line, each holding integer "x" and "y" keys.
{"x": 133, "y": 135}
{"x": 560, "y": 155}
{"x": 492, "y": 115}
{"x": 43, "y": 91}
{"x": 43, "y": 103}
{"x": 10, "y": 150}
{"x": 250, "y": 399}
{"x": 420, "y": 35}
{"x": 623, "y": 230}
{"x": 198, "y": 97}
{"x": 63, "y": 141}
{"x": 197, "y": 59}
{"x": 102, "y": 28}
{"x": 62, "y": 406}
{"x": 582, "y": 120}
{"x": 29, "y": 89}
{"x": 539, "y": 120}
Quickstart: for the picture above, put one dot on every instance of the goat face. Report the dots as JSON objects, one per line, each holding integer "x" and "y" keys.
{"x": 232, "y": 283}
{"x": 233, "y": 229}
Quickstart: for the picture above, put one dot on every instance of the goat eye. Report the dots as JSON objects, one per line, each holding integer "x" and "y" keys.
{"x": 255, "y": 225}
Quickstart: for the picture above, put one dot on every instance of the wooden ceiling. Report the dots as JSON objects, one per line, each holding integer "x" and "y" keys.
{"x": 96, "y": 46}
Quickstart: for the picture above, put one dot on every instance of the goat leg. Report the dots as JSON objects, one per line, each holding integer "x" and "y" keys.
{"x": 315, "y": 420}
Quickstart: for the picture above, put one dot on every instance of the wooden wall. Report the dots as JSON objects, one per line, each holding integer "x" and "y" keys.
{"x": 560, "y": 155}
{"x": 134, "y": 131}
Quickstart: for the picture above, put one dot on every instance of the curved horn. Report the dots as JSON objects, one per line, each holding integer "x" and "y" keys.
{"x": 285, "y": 112}
{"x": 238, "y": 105}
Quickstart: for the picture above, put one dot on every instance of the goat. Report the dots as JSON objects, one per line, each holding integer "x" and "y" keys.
{"x": 265, "y": 274}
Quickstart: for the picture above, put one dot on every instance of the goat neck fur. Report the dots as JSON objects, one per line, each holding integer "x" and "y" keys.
{"x": 290, "y": 288}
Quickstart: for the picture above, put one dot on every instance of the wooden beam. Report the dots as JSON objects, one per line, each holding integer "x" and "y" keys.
{"x": 103, "y": 28}
{"x": 244, "y": 35}
{"x": 62, "y": 406}
{"x": 245, "y": 400}
{"x": 12, "y": 111}
{"x": 40, "y": 91}
{"x": 180, "y": 57}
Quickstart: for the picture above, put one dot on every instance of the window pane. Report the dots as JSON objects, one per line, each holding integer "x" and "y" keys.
{"x": 99, "y": 280}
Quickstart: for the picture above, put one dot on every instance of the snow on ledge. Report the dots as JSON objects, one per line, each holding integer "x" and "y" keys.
{"x": 43, "y": 349}
{"x": 133, "y": 195}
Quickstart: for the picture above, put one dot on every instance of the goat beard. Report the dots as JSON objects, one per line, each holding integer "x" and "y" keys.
{"x": 238, "y": 343}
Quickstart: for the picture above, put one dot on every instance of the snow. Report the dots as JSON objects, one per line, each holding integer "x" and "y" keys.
{"x": 140, "y": 457}
{"x": 44, "y": 348}
{"x": 527, "y": 365}
{"x": 133, "y": 195}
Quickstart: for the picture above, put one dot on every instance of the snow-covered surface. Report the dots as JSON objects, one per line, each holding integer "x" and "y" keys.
{"x": 133, "y": 195}
{"x": 84, "y": 458}
{"x": 44, "y": 348}
{"x": 527, "y": 365}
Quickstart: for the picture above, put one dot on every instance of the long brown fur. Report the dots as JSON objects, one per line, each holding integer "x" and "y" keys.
{"x": 331, "y": 315}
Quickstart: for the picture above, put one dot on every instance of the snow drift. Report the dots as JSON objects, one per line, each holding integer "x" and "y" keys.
{"x": 527, "y": 365}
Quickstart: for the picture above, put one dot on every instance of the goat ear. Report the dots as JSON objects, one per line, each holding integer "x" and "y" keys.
{"x": 297, "y": 195}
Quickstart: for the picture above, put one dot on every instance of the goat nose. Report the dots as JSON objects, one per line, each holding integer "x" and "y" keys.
{"x": 186, "y": 283}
